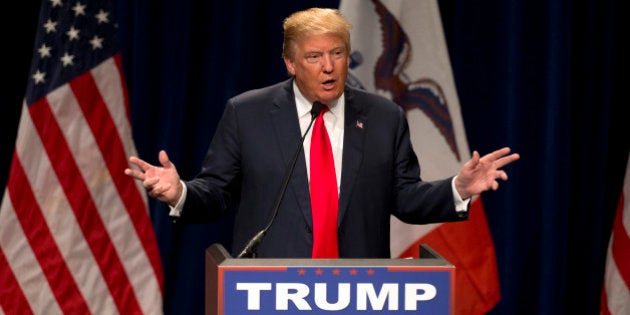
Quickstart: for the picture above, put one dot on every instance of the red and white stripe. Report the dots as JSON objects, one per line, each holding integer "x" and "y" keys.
{"x": 75, "y": 234}
{"x": 616, "y": 290}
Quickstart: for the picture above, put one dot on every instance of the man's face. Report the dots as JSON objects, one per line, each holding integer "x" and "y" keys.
{"x": 320, "y": 66}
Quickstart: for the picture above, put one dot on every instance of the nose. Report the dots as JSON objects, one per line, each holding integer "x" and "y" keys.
{"x": 327, "y": 63}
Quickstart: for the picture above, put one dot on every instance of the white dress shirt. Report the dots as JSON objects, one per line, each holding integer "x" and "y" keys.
{"x": 333, "y": 119}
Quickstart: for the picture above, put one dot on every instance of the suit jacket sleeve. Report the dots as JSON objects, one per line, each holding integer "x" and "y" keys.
{"x": 215, "y": 189}
{"x": 418, "y": 201}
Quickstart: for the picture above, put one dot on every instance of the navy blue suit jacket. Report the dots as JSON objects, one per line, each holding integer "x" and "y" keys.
{"x": 254, "y": 144}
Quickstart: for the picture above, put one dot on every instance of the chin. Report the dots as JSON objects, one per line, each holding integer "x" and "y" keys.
{"x": 329, "y": 97}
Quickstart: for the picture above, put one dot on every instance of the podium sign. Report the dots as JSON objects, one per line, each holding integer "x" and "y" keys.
{"x": 347, "y": 286}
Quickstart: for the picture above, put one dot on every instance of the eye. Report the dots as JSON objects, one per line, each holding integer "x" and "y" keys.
{"x": 338, "y": 53}
{"x": 313, "y": 58}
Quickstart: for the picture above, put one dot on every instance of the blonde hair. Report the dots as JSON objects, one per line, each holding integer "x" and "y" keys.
{"x": 314, "y": 21}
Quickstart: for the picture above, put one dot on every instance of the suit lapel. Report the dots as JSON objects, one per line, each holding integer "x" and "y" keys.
{"x": 288, "y": 135}
{"x": 354, "y": 135}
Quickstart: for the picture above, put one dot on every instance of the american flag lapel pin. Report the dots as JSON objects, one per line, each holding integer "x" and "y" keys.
{"x": 359, "y": 124}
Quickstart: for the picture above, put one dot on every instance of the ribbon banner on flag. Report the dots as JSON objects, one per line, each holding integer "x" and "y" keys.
{"x": 399, "y": 50}
{"x": 75, "y": 232}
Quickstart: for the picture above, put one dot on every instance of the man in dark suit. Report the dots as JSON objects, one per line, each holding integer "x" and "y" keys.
{"x": 376, "y": 169}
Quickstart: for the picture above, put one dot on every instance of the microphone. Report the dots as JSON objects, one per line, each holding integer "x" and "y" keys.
{"x": 250, "y": 249}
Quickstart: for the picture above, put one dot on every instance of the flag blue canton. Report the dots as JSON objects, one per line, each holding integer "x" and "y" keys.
{"x": 72, "y": 37}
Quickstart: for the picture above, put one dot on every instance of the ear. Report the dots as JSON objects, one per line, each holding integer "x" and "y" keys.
{"x": 290, "y": 66}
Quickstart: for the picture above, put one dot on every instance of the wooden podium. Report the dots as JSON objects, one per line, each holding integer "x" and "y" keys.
{"x": 314, "y": 286}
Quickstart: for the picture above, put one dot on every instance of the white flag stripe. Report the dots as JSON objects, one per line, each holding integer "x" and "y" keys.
{"x": 93, "y": 169}
{"x": 23, "y": 263}
{"x": 110, "y": 207}
{"x": 109, "y": 82}
{"x": 616, "y": 289}
{"x": 59, "y": 215}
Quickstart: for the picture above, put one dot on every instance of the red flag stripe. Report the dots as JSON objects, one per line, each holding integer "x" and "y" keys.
{"x": 70, "y": 178}
{"x": 54, "y": 204}
{"x": 43, "y": 243}
{"x": 12, "y": 299}
{"x": 92, "y": 163}
{"x": 110, "y": 146}
{"x": 51, "y": 201}
{"x": 114, "y": 150}
{"x": 116, "y": 93}
{"x": 615, "y": 297}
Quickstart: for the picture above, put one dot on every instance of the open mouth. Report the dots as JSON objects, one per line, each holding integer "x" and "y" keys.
{"x": 328, "y": 83}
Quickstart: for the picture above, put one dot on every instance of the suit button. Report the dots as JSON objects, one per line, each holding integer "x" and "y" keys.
{"x": 308, "y": 229}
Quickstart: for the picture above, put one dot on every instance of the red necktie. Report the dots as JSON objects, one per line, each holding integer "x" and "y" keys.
{"x": 324, "y": 198}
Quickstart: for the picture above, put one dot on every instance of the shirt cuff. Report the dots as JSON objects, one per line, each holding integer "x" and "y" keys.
{"x": 176, "y": 210}
{"x": 460, "y": 204}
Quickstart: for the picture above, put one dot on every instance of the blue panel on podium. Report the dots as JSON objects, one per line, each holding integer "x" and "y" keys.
{"x": 345, "y": 286}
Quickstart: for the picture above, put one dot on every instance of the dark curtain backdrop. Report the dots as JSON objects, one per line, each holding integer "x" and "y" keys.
{"x": 543, "y": 77}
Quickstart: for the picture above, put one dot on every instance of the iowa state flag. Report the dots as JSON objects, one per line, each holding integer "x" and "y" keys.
{"x": 399, "y": 51}
{"x": 75, "y": 232}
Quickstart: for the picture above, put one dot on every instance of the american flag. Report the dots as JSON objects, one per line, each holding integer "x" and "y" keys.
{"x": 615, "y": 298}
{"x": 75, "y": 231}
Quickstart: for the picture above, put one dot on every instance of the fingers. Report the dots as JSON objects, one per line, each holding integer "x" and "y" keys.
{"x": 135, "y": 174}
{"x": 474, "y": 160}
{"x": 153, "y": 188}
{"x": 497, "y": 154}
{"x": 500, "y": 158}
{"x": 164, "y": 160}
{"x": 140, "y": 163}
{"x": 144, "y": 166}
{"x": 157, "y": 193}
{"x": 505, "y": 160}
{"x": 502, "y": 175}
{"x": 149, "y": 183}
{"x": 495, "y": 185}
{"x": 475, "y": 156}
{"x": 160, "y": 182}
